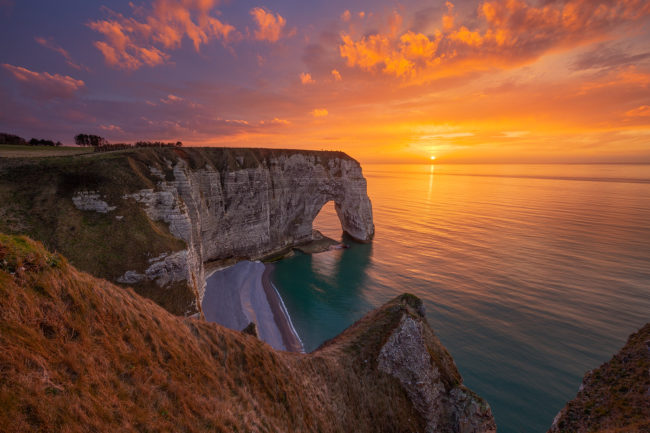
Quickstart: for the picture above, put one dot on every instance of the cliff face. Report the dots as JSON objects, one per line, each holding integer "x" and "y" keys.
{"x": 248, "y": 212}
{"x": 80, "y": 354}
{"x": 615, "y": 397}
{"x": 217, "y": 205}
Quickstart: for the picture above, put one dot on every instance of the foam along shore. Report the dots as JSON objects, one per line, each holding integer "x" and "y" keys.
{"x": 243, "y": 293}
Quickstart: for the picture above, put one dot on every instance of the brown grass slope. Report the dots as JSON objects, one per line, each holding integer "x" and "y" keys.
{"x": 614, "y": 398}
{"x": 81, "y": 355}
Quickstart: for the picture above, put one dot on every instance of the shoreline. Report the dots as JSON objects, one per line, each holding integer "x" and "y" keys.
{"x": 290, "y": 337}
{"x": 243, "y": 293}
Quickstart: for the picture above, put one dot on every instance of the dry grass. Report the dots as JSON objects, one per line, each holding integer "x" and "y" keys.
{"x": 81, "y": 355}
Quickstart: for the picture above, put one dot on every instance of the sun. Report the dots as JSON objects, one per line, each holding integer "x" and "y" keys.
{"x": 432, "y": 158}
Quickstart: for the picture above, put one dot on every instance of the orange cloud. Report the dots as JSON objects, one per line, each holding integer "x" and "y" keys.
{"x": 49, "y": 44}
{"x": 306, "y": 78}
{"x": 319, "y": 112}
{"x": 172, "y": 19}
{"x": 400, "y": 58}
{"x": 275, "y": 121}
{"x": 337, "y": 75}
{"x": 45, "y": 85}
{"x": 130, "y": 43}
{"x": 121, "y": 50}
{"x": 507, "y": 33}
{"x": 170, "y": 99}
{"x": 627, "y": 76}
{"x": 367, "y": 52}
{"x": 448, "y": 19}
{"x": 111, "y": 128}
{"x": 642, "y": 111}
{"x": 269, "y": 26}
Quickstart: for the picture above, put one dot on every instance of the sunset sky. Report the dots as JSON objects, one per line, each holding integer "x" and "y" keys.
{"x": 466, "y": 81}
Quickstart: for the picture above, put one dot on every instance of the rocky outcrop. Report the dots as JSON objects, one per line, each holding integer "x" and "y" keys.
{"x": 614, "y": 398}
{"x": 164, "y": 270}
{"x": 405, "y": 357}
{"x": 79, "y": 354}
{"x": 152, "y": 218}
{"x": 91, "y": 201}
{"x": 397, "y": 341}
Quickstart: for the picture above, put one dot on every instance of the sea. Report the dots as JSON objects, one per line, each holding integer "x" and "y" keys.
{"x": 531, "y": 275}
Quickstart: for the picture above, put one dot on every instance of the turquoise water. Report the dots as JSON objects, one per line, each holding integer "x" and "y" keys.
{"x": 531, "y": 275}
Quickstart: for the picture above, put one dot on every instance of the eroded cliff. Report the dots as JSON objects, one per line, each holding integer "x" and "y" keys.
{"x": 151, "y": 218}
{"x": 80, "y": 354}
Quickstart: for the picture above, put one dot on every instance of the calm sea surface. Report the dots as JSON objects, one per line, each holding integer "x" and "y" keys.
{"x": 531, "y": 275}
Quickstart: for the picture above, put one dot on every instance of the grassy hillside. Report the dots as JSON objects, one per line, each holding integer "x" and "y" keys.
{"x": 36, "y": 200}
{"x": 20, "y": 151}
{"x": 79, "y": 354}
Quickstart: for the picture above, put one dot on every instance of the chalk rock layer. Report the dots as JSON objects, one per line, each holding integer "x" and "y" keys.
{"x": 397, "y": 342}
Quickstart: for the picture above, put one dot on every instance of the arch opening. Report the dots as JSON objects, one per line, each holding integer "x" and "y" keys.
{"x": 328, "y": 223}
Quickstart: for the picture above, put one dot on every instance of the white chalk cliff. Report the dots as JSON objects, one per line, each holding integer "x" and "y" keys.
{"x": 247, "y": 210}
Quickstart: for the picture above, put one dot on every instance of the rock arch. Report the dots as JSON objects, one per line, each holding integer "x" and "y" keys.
{"x": 207, "y": 204}
{"x": 353, "y": 209}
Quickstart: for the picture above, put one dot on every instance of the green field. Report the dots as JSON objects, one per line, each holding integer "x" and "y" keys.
{"x": 15, "y": 151}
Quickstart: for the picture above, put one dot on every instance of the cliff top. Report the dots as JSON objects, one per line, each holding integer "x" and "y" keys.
{"x": 80, "y": 354}
{"x": 219, "y": 157}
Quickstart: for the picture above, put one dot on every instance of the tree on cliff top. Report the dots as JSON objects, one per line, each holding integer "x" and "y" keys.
{"x": 11, "y": 139}
{"x": 90, "y": 140}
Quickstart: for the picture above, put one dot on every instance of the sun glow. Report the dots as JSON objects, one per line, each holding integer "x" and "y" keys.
{"x": 432, "y": 158}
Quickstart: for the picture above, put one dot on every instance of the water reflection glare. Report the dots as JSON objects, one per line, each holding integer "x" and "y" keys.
{"x": 431, "y": 171}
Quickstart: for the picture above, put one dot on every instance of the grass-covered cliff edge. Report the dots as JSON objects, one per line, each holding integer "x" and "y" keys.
{"x": 615, "y": 397}
{"x": 151, "y": 218}
{"x": 80, "y": 354}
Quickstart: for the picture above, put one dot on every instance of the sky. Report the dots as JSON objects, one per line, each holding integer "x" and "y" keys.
{"x": 537, "y": 81}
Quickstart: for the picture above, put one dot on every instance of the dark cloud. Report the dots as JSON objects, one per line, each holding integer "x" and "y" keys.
{"x": 425, "y": 18}
{"x": 606, "y": 56}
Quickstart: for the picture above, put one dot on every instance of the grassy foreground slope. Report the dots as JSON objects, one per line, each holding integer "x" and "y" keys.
{"x": 81, "y": 355}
